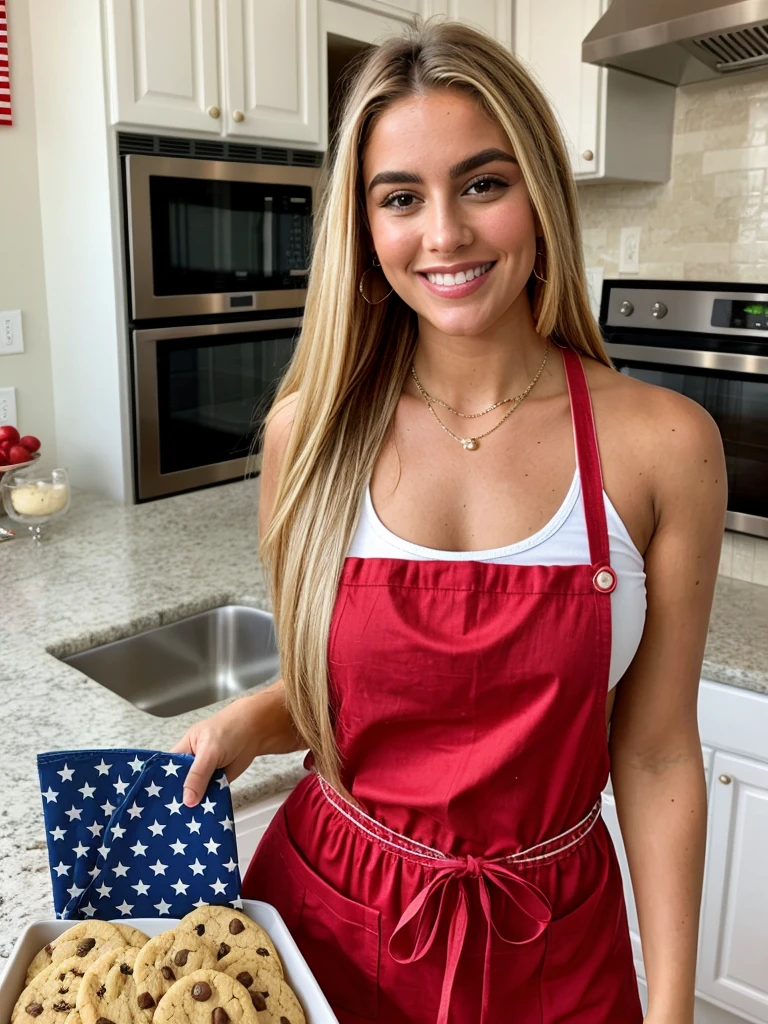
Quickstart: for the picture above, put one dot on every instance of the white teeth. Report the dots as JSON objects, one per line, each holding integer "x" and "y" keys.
{"x": 461, "y": 277}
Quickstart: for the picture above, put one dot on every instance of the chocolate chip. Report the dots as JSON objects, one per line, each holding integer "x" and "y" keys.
{"x": 104, "y": 1020}
{"x": 100, "y": 992}
{"x": 78, "y": 974}
{"x": 245, "y": 979}
{"x": 262, "y": 952}
{"x": 236, "y": 926}
{"x": 223, "y": 950}
{"x": 258, "y": 1001}
{"x": 284, "y": 1020}
{"x": 200, "y": 929}
{"x": 168, "y": 974}
{"x": 181, "y": 957}
{"x": 49, "y": 949}
{"x": 34, "y": 1009}
{"x": 145, "y": 1001}
{"x": 85, "y": 946}
{"x": 201, "y": 991}
{"x": 219, "y": 1016}
{"x": 126, "y": 969}
{"x": 63, "y": 1007}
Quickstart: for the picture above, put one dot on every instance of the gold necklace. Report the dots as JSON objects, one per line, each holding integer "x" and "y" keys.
{"x": 471, "y": 444}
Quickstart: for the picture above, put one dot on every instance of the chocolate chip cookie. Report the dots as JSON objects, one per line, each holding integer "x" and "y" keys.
{"x": 277, "y": 1003}
{"x": 86, "y": 939}
{"x": 165, "y": 959}
{"x": 131, "y": 936}
{"x": 107, "y": 993}
{"x": 52, "y": 993}
{"x": 209, "y": 997}
{"x": 226, "y": 930}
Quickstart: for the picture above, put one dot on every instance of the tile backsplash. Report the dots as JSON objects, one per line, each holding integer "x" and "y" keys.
{"x": 744, "y": 558}
{"x": 710, "y": 221}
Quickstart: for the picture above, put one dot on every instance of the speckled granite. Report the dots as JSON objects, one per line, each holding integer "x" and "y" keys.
{"x": 106, "y": 572}
{"x": 109, "y": 572}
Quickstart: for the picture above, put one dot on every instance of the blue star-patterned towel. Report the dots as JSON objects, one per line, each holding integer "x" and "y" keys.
{"x": 122, "y": 844}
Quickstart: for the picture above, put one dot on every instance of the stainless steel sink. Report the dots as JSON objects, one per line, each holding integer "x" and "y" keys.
{"x": 187, "y": 664}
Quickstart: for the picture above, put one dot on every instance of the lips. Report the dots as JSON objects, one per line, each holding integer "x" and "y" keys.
{"x": 458, "y": 284}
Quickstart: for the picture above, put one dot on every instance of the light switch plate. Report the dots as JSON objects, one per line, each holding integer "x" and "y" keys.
{"x": 629, "y": 251}
{"x": 8, "y": 407}
{"x": 11, "y": 337}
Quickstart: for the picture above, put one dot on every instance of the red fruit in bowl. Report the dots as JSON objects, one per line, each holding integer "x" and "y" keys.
{"x": 4, "y": 446}
{"x": 18, "y": 454}
{"x": 3, "y": 459}
{"x": 8, "y": 433}
{"x": 30, "y": 442}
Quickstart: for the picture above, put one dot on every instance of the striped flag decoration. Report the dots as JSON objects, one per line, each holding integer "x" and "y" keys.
{"x": 5, "y": 79}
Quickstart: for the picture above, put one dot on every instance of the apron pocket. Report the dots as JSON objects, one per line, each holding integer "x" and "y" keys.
{"x": 339, "y": 938}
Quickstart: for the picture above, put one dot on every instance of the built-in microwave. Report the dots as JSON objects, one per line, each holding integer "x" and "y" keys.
{"x": 208, "y": 237}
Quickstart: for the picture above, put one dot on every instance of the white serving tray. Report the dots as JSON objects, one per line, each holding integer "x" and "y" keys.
{"x": 297, "y": 973}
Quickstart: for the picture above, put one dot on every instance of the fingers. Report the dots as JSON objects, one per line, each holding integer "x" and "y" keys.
{"x": 199, "y": 775}
{"x": 184, "y": 746}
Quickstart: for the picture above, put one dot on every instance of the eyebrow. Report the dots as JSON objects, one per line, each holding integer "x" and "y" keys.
{"x": 470, "y": 163}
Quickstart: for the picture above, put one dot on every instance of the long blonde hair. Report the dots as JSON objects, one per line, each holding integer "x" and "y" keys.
{"x": 352, "y": 358}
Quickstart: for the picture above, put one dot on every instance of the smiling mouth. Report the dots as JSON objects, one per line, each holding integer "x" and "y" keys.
{"x": 461, "y": 277}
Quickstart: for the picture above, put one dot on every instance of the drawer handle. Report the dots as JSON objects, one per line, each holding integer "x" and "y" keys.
{"x": 214, "y": 112}
{"x": 588, "y": 154}
{"x": 725, "y": 779}
{"x": 238, "y": 116}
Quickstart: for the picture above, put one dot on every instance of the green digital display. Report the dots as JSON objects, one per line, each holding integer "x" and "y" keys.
{"x": 756, "y": 309}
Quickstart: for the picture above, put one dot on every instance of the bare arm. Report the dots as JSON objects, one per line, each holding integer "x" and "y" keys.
{"x": 657, "y": 769}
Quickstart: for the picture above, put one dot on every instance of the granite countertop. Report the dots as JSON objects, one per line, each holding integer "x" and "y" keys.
{"x": 110, "y": 571}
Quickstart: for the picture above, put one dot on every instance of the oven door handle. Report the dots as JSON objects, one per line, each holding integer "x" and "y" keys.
{"x": 727, "y": 362}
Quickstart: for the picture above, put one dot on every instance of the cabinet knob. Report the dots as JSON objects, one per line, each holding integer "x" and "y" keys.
{"x": 725, "y": 779}
{"x": 214, "y": 112}
{"x": 659, "y": 310}
{"x": 588, "y": 154}
{"x": 626, "y": 308}
{"x": 238, "y": 116}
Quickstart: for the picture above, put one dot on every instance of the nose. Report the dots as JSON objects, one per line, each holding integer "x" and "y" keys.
{"x": 446, "y": 228}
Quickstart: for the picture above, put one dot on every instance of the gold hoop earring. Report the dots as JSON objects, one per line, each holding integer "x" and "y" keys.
{"x": 376, "y": 263}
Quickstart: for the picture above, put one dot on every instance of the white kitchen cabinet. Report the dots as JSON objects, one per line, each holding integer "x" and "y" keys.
{"x": 493, "y": 16}
{"x": 164, "y": 63}
{"x": 251, "y": 823}
{"x": 618, "y": 126}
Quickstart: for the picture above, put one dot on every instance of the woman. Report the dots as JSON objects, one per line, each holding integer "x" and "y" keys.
{"x": 446, "y": 861}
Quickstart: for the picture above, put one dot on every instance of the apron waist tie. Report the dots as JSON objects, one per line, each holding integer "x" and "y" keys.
{"x": 445, "y": 898}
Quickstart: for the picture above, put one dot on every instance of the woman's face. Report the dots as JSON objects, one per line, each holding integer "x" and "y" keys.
{"x": 445, "y": 196}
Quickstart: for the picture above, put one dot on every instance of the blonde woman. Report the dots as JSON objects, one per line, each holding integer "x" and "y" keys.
{"x": 484, "y": 546}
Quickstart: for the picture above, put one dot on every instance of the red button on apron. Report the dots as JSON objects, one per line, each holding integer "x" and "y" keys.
{"x": 605, "y": 580}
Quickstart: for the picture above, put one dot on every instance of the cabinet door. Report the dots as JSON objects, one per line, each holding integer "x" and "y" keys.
{"x": 574, "y": 89}
{"x": 493, "y": 16}
{"x": 251, "y": 823}
{"x": 163, "y": 63}
{"x": 733, "y": 959}
{"x": 271, "y": 71}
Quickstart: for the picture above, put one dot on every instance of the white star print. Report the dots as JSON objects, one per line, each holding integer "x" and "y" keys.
{"x": 104, "y": 890}
{"x": 200, "y": 903}
{"x": 218, "y": 887}
{"x": 58, "y": 832}
{"x": 171, "y": 768}
{"x": 95, "y": 829}
{"x": 237, "y": 903}
{"x": 94, "y": 871}
{"x": 174, "y": 806}
{"x": 103, "y": 768}
{"x": 162, "y": 907}
{"x": 230, "y": 865}
{"x": 120, "y": 786}
{"x": 153, "y": 789}
{"x": 61, "y": 869}
{"x": 74, "y": 812}
{"x": 87, "y": 791}
{"x": 197, "y": 868}
{"x": 227, "y": 824}
{"x": 125, "y": 908}
{"x": 66, "y": 773}
{"x": 136, "y": 765}
{"x": 118, "y": 831}
{"x": 194, "y": 826}
{"x": 178, "y": 846}
{"x": 104, "y": 850}
{"x": 121, "y": 871}
{"x": 139, "y": 849}
{"x": 108, "y": 809}
{"x": 141, "y": 888}
{"x": 135, "y": 810}
{"x": 180, "y": 888}
{"x": 208, "y": 805}
{"x": 223, "y": 782}
{"x": 80, "y": 850}
{"x": 158, "y": 867}
{"x": 74, "y": 891}
{"x": 156, "y": 828}
{"x": 211, "y": 846}
{"x": 88, "y": 910}
{"x": 50, "y": 796}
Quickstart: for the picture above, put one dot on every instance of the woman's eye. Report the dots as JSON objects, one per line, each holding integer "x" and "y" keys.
{"x": 398, "y": 200}
{"x": 486, "y": 185}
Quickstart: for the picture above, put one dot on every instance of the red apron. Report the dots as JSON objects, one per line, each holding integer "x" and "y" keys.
{"x": 478, "y": 883}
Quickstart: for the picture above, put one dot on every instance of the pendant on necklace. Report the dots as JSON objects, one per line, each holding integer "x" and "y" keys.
{"x": 470, "y": 444}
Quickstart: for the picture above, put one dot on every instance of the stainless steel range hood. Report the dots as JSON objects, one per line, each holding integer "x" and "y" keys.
{"x": 681, "y": 41}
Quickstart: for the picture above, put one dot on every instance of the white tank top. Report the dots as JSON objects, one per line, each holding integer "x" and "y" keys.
{"x": 563, "y": 541}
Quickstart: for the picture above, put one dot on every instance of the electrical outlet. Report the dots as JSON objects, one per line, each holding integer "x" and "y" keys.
{"x": 8, "y": 407}
{"x": 629, "y": 252}
{"x": 11, "y": 337}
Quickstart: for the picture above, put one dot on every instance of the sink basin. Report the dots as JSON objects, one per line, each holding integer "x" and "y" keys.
{"x": 187, "y": 664}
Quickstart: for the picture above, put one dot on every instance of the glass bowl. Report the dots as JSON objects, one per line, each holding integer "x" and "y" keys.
{"x": 34, "y": 498}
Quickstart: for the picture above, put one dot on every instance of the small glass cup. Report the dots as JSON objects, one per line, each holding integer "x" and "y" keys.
{"x": 35, "y": 498}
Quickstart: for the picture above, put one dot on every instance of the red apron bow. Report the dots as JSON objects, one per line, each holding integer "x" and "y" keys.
{"x": 446, "y": 893}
